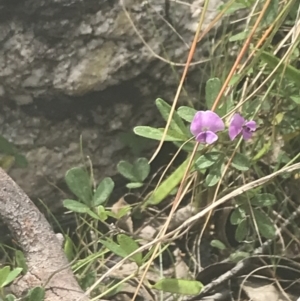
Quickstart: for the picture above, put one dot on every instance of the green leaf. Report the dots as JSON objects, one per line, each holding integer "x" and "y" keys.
{"x": 113, "y": 247}
{"x": 238, "y": 256}
{"x": 149, "y": 254}
{"x": 179, "y": 286}
{"x": 102, "y": 213}
{"x": 126, "y": 170}
{"x": 4, "y": 272}
{"x": 290, "y": 72}
{"x": 264, "y": 224}
{"x": 222, "y": 109}
{"x": 241, "y": 230}
{"x": 134, "y": 185}
{"x": 121, "y": 212}
{"x": 235, "y": 78}
{"x": 251, "y": 107}
{"x": 271, "y": 13}
{"x": 217, "y": 244}
{"x": 75, "y": 206}
{"x": 136, "y": 143}
{"x": 21, "y": 261}
{"x": 237, "y": 216}
{"x": 265, "y": 149}
{"x": 212, "y": 179}
{"x": 87, "y": 279}
{"x": 188, "y": 147}
{"x": 129, "y": 245}
{"x": 36, "y": 294}
{"x": 21, "y": 161}
{"x": 296, "y": 99}
{"x": 136, "y": 173}
{"x": 6, "y": 147}
{"x": 278, "y": 118}
{"x": 157, "y": 134}
{"x": 207, "y": 160}
{"x": 115, "y": 288}
{"x": 103, "y": 191}
{"x": 233, "y": 7}
{"x": 6, "y": 162}
{"x": 240, "y": 162}
{"x": 214, "y": 174}
{"x": 165, "y": 188}
{"x": 212, "y": 89}
{"x": 176, "y": 123}
{"x": 79, "y": 183}
{"x": 95, "y": 216}
{"x": 239, "y": 36}
{"x": 12, "y": 276}
{"x": 69, "y": 248}
{"x": 141, "y": 169}
{"x": 10, "y": 297}
{"x": 264, "y": 200}
{"x": 186, "y": 113}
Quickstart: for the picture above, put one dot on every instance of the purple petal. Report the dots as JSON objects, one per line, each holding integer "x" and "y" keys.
{"x": 247, "y": 134}
{"x": 206, "y": 120}
{"x": 213, "y": 122}
{"x": 201, "y": 138}
{"x": 211, "y": 137}
{"x": 236, "y": 126}
{"x": 251, "y": 125}
{"x": 207, "y": 137}
{"x": 196, "y": 124}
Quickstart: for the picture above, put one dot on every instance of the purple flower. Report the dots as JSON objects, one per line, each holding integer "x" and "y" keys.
{"x": 238, "y": 125}
{"x": 205, "y": 125}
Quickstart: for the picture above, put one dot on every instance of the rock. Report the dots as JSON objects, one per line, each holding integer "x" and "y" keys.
{"x": 50, "y": 139}
{"x": 50, "y": 49}
{"x": 90, "y": 68}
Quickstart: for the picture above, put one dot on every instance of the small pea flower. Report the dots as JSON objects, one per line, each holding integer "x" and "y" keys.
{"x": 238, "y": 125}
{"x": 204, "y": 126}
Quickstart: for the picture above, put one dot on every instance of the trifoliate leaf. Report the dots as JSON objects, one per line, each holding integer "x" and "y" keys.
{"x": 240, "y": 162}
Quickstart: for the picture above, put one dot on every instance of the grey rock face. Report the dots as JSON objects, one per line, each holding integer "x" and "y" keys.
{"x": 72, "y": 47}
{"x": 50, "y": 138}
{"x": 94, "y": 68}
